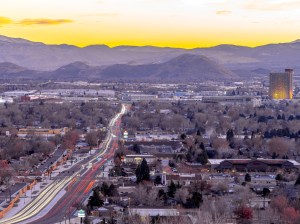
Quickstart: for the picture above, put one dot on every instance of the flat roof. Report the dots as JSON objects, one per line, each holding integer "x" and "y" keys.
{"x": 218, "y": 161}
{"x": 142, "y": 155}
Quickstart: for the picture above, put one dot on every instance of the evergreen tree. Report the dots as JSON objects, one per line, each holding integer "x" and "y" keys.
{"x": 104, "y": 189}
{"x": 183, "y": 136}
{"x": 161, "y": 194}
{"x": 298, "y": 180}
{"x": 138, "y": 174}
{"x": 202, "y": 158}
{"x": 247, "y": 177}
{"x": 145, "y": 170}
{"x": 172, "y": 189}
{"x": 194, "y": 201}
{"x": 157, "y": 180}
{"x": 142, "y": 171}
{"x": 274, "y": 155}
{"x": 95, "y": 199}
{"x": 229, "y": 135}
{"x": 265, "y": 192}
{"x": 112, "y": 191}
{"x": 202, "y": 146}
{"x": 279, "y": 177}
{"x": 189, "y": 157}
{"x": 136, "y": 149}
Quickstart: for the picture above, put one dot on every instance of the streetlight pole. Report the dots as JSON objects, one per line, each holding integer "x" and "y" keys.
{"x": 24, "y": 197}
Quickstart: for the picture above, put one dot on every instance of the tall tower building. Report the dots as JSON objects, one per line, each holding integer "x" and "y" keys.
{"x": 281, "y": 85}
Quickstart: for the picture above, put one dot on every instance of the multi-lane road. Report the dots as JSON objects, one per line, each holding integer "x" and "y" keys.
{"x": 78, "y": 184}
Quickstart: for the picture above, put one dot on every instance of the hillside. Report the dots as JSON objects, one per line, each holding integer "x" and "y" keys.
{"x": 39, "y": 56}
{"x": 186, "y": 67}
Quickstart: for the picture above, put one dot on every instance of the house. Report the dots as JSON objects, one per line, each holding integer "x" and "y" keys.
{"x": 42, "y": 132}
{"x": 260, "y": 182}
{"x": 81, "y": 145}
{"x": 137, "y": 159}
{"x": 253, "y": 165}
{"x": 152, "y": 212}
{"x": 260, "y": 203}
{"x": 108, "y": 211}
{"x": 263, "y": 181}
{"x": 220, "y": 178}
{"x": 168, "y": 156}
{"x": 156, "y": 137}
{"x": 156, "y": 147}
{"x": 126, "y": 189}
{"x": 182, "y": 179}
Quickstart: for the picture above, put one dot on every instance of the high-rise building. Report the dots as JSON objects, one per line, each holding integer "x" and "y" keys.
{"x": 281, "y": 85}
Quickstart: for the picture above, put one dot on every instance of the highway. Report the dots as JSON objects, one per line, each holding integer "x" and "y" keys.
{"x": 78, "y": 185}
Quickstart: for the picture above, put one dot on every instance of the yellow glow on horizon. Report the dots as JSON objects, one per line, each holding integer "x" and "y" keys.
{"x": 163, "y": 23}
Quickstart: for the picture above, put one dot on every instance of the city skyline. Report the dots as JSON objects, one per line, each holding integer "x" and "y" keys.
{"x": 177, "y": 23}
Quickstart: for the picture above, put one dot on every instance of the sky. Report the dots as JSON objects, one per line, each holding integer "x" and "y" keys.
{"x": 163, "y": 23}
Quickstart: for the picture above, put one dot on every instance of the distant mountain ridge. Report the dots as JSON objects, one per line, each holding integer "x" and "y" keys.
{"x": 186, "y": 67}
{"x": 39, "y": 56}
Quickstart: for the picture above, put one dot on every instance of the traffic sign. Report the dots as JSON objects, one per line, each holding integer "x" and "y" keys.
{"x": 81, "y": 214}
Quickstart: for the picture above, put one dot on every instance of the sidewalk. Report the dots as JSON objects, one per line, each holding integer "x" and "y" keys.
{"x": 27, "y": 198}
{"x": 37, "y": 189}
{"x": 72, "y": 221}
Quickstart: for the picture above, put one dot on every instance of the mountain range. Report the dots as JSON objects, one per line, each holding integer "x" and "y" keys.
{"x": 182, "y": 68}
{"x": 23, "y": 58}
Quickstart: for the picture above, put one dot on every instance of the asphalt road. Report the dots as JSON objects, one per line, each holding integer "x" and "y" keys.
{"x": 78, "y": 190}
{"x": 50, "y": 161}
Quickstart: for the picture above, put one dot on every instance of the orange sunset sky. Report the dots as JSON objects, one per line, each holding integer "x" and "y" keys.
{"x": 173, "y": 23}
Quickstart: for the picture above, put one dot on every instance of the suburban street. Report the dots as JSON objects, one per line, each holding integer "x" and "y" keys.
{"x": 78, "y": 183}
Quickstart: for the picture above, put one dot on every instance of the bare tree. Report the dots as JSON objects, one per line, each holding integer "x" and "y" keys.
{"x": 6, "y": 177}
{"x": 92, "y": 138}
{"x": 279, "y": 146}
{"x": 146, "y": 196}
{"x": 181, "y": 195}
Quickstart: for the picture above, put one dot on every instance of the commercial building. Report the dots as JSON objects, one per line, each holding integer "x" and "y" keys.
{"x": 6, "y": 100}
{"x": 281, "y": 85}
{"x": 18, "y": 93}
{"x": 138, "y": 97}
{"x": 233, "y": 100}
{"x": 42, "y": 132}
{"x": 78, "y": 92}
{"x": 254, "y": 165}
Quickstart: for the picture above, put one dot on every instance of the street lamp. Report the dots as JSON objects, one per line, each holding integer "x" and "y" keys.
{"x": 24, "y": 197}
